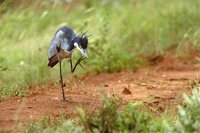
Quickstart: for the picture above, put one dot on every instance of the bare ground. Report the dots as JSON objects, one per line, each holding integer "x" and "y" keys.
{"x": 160, "y": 86}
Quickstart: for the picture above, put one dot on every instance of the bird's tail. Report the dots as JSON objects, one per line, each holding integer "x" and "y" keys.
{"x": 52, "y": 64}
{"x": 52, "y": 61}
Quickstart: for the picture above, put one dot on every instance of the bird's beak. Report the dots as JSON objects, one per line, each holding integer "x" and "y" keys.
{"x": 83, "y": 51}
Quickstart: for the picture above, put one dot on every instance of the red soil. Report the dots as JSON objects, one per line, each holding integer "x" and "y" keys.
{"x": 160, "y": 86}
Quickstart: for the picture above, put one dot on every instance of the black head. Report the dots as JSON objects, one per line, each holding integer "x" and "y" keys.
{"x": 81, "y": 43}
{"x": 84, "y": 42}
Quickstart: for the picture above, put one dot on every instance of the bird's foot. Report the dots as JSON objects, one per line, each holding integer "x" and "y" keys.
{"x": 69, "y": 100}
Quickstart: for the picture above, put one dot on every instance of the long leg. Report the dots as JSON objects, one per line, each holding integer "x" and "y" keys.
{"x": 61, "y": 78}
{"x": 71, "y": 66}
{"x": 78, "y": 62}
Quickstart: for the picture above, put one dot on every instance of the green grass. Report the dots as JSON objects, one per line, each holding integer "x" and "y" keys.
{"x": 50, "y": 124}
{"x": 129, "y": 119}
{"x": 121, "y": 32}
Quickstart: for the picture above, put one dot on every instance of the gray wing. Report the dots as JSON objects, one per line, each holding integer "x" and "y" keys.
{"x": 53, "y": 47}
{"x": 53, "y": 54}
{"x": 63, "y": 38}
{"x": 69, "y": 33}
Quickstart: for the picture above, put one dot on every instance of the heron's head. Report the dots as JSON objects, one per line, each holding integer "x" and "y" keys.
{"x": 81, "y": 44}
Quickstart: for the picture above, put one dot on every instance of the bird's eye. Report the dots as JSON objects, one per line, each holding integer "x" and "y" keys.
{"x": 84, "y": 43}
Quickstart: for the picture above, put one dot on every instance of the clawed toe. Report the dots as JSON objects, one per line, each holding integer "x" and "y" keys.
{"x": 69, "y": 100}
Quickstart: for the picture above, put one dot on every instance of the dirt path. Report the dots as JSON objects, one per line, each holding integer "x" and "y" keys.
{"x": 160, "y": 86}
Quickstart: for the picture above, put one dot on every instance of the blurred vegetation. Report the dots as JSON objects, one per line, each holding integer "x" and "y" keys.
{"x": 129, "y": 120}
{"x": 121, "y": 32}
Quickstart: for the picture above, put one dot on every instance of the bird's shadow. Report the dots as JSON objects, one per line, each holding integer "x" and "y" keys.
{"x": 68, "y": 100}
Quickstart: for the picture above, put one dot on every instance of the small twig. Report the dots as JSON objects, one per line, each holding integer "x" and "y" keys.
{"x": 151, "y": 108}
{"x": 143, "y": 84}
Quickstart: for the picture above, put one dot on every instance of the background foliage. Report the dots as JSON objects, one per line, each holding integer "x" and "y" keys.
{"x": 121, "y": 32}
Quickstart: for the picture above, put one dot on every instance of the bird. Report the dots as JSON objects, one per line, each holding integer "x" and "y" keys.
{"x": 63, "y": 45}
